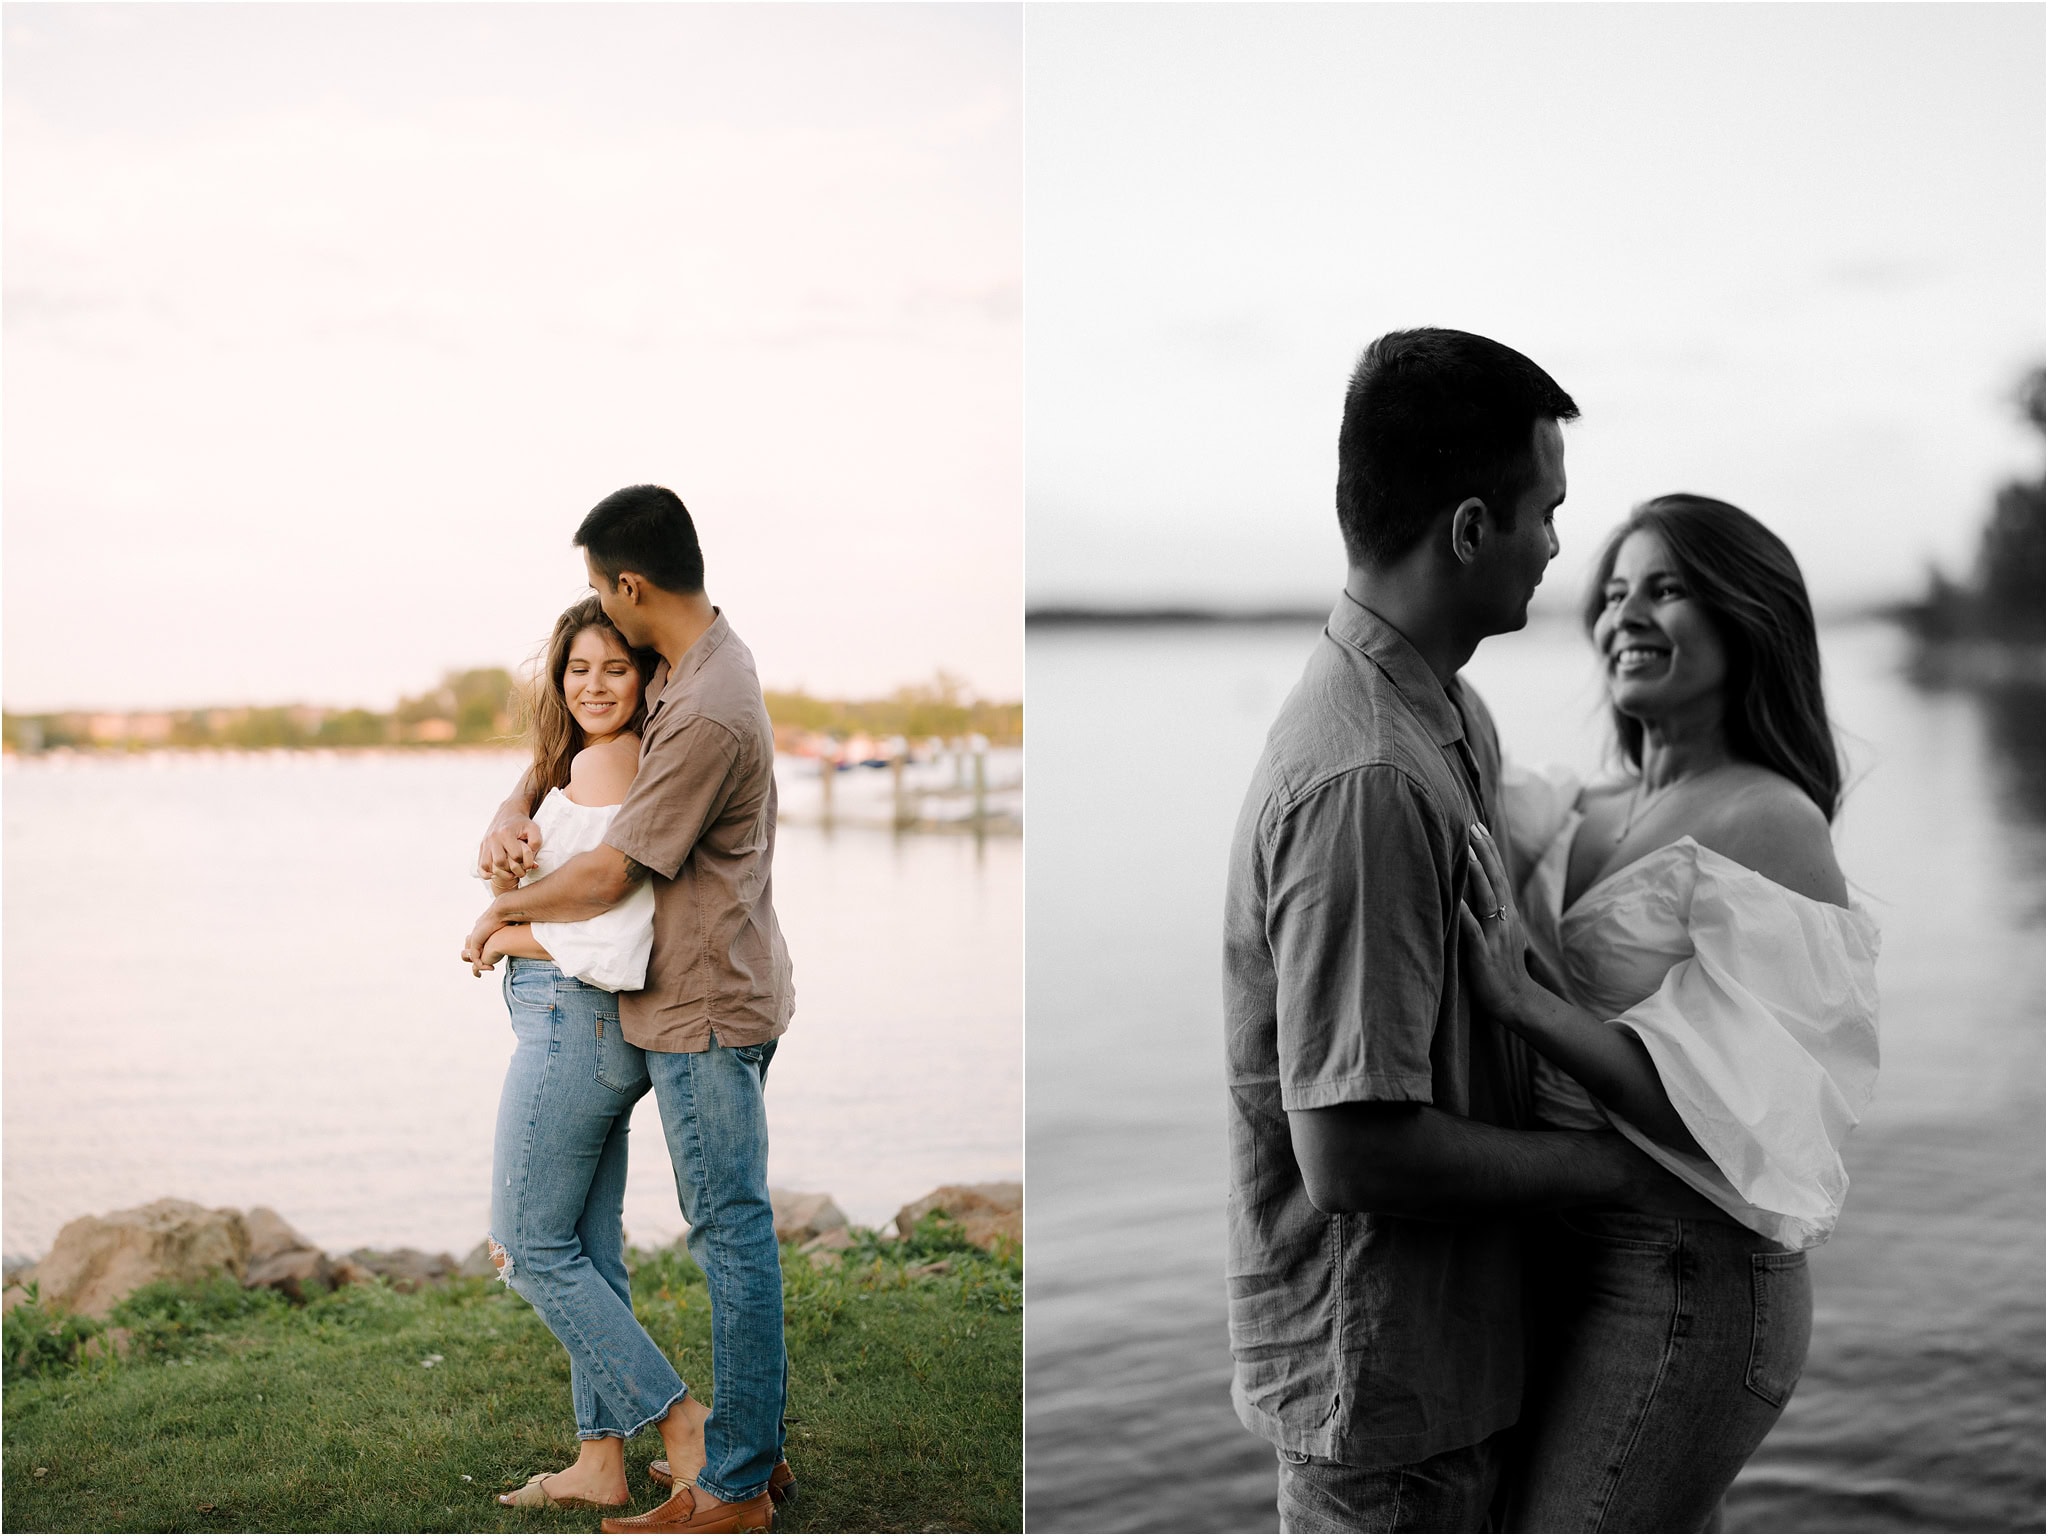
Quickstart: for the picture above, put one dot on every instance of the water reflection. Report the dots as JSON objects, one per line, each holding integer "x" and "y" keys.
{"x": 1921, "y": 1407}
{"x": 2012, "y": 719}
{"x": 2010, "y": 723}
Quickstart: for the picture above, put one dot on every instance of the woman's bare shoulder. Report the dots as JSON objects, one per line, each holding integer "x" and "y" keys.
{"x": 601, "y": 774}
{"x": 1606, "y": 787}
{"x": 1766, "y": 823}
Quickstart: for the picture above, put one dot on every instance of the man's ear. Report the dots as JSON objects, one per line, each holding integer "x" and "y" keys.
{"x": 631, "y": 586}
{"x": 1468, "y": 530}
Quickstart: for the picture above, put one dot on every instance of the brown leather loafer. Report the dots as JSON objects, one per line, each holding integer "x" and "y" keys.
{"x": 781, "y": 1482}
{"x": 691, "y": 1509}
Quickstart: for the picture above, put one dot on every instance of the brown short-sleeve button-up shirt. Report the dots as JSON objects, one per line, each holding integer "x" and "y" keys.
{"x": 701, "y": 817}
{"x": 1369, "y": 1339}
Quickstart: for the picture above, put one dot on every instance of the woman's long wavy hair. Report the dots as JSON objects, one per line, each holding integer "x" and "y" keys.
{"x": 1750, "y": 586}
{"x": 550, "y": 730}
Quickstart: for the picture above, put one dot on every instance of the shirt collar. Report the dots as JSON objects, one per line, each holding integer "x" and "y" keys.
{"x": 1355, "y": 625}
{"x": 671, "y": 681}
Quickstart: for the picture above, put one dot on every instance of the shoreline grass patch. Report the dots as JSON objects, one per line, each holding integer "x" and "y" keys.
{"x": 366, "y": 1409}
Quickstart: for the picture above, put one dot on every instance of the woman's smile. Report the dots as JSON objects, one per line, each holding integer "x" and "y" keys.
{"x": 1661, "y": 647}
{"x": 600, "y": 684}
{"x": 1637, "y": 659}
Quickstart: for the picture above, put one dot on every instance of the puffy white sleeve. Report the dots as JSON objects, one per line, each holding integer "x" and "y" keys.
{"x": 1766, "y": 1041}
{"x": 609, "y": 950}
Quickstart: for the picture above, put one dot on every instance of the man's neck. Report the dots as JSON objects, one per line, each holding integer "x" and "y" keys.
{"x": 1405, "y": 598}
{"x": 679, "y": 623}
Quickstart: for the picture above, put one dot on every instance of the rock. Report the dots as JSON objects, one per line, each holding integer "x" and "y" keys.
{"x": 826, "y": 1247}
{"x": 97, "y": 1260}
{"x": 479, "y": 1265}
{"x": 281, "y": 1257}
{"x": 990, "y": 1213}
{"x": 346, "y": 1271}
{"x": 270, "y": 1235}
{"x": 799, "y": 1217}
{"x": 406, "y": 1268}
{"x": 301, "y": 1273}
{"x": 13, "y": 1297}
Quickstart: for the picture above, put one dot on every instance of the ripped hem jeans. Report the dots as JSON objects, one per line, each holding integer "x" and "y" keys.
{"x": 558, "y": 1188}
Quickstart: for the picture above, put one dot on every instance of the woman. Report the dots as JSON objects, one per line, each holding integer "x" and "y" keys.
{"x": 1712, "y": 995}
{"x": 558, "y": 1172}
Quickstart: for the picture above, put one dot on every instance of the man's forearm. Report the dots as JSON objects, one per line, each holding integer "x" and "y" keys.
{"x": 1608, "y": 1059}
{"x": 1418, "y": 1161}
{"x": 586, "y": 885}
{"x": 517, "y": 806}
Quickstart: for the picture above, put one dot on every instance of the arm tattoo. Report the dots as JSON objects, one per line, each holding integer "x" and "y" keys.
{"x": 635, "y": 870}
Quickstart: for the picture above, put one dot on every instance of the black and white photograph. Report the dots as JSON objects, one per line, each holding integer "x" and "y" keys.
{"x": 1534, "y": 575}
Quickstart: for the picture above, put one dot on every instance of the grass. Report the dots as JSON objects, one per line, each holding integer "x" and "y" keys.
{"x": 233, "y": 1410}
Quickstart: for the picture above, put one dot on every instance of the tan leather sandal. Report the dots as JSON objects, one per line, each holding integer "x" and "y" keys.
{"x": 534, "y": 1495}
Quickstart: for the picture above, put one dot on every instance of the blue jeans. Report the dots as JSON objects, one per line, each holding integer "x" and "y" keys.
{"x": 558, "y": 1185}
{"x": 1452, "y": 1491}
{"x": 716, "y": 1122}
{"x": 1666, "y": 1351}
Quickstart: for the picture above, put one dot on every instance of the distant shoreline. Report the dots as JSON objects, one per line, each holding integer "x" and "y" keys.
{"x": 1127, "y": 618}
{"x": 165, "y": 749}
{"x": 1172, "y": 615}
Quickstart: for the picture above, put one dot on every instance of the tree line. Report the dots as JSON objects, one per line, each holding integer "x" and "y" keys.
{"x": 480, "y": 707}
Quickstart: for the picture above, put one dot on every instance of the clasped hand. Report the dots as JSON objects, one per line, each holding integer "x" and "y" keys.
{"x": 482, "y": 949}
{"x": 509, "y": 852}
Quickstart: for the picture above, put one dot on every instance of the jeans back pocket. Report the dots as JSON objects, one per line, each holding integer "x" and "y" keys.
{"x": 621, "y": 1065}
{"x": 1782, "y": 1325}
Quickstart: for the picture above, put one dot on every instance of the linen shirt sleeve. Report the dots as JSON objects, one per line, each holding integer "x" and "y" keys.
{"x": 1766, "y": 1042}
{"x": 685, "y": 778}
{"x": 1357, "y": 911}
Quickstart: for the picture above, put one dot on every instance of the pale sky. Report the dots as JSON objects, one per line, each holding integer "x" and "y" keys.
{"x": 1787, "y": 255}
{"x": 325, "y": 324}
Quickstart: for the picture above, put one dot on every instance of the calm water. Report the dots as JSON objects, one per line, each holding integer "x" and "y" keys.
{"x": 234, "y": 979}
{"x": 1921, "y": 1408}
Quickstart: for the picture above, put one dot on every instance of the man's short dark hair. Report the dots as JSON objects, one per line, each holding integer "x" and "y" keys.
{"x": 645, "y": 529}
{"x": 1432, "y": 417}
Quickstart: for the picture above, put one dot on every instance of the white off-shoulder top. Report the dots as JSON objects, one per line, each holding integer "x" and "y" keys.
{"x": 1757, "y": 1005}
{"x": 609, "y": 950}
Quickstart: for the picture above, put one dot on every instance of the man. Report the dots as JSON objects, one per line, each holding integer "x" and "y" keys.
{"x": 1377, "y": 1155}
{"x": 699, "y": 821}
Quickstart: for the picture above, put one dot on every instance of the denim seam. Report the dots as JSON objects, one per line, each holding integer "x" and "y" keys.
{"x": 590, "y": 1357}
{"x": 1620, "y": 1470}
{"x": 719, "y": 1243}
{"x": 728, "y": 1325}
{"x": 594, "y": 1359}
{"x": 1761, "y": 1265}
{"x": 549, "y": 1068}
